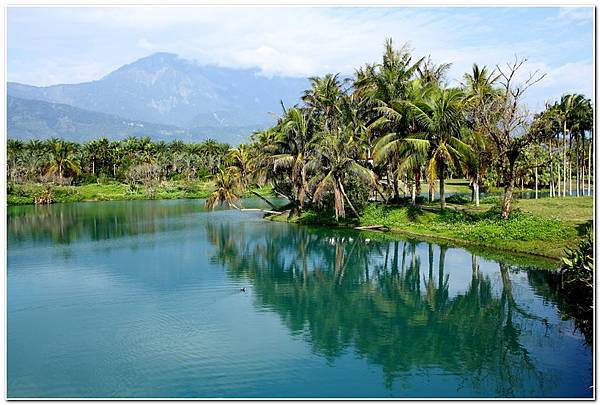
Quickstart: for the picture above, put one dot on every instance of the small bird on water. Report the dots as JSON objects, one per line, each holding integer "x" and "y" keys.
{"x": 243, "y": 289}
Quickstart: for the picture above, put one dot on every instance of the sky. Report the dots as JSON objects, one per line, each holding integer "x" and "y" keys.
{"x": 52, "y": 45}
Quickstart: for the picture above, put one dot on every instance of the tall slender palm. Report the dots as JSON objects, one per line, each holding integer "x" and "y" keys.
{"x": 441, "y": 118}
{"x": 478, "y": 86}
{"x": 386, "y": 86}
{"x": 293, "y": 149}
{"x": 567, "y": 109}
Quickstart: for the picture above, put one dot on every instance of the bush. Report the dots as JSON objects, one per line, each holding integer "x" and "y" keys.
{"x": 577, "y": 283}
{"x": 145, "y": 174}
{"x": 86, "y": 178}
{"x": 459, "y": 199}
{"x": 358, "y": 192}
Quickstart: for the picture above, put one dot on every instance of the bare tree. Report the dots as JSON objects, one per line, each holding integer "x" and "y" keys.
{"x": 508, "y": 123}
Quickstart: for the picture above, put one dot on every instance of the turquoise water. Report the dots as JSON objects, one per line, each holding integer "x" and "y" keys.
{"x": 142, "y": 299}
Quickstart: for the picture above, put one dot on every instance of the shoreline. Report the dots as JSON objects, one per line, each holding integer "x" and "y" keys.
{"x": 427, "y": 227}
{"x": 532, "y": 238}
{"x": 551, "y": 262}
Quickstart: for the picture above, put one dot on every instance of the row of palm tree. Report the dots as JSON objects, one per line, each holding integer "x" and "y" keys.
{"x": 571, "y": 118}
{"x": 35, "y": 159}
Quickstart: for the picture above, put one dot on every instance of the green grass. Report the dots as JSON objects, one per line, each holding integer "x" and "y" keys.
{"x": 25, "y": 193}
{"x": 543, "y": 227}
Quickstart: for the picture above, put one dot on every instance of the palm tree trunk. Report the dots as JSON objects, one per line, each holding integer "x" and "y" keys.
{"x": 474, "y": 265}
{"x": 264, "y": 199}
{"x": 558, "y": 176}
{"x": 551, "y": 169}
{"x": 418, "y": 181}
{"x": 570, "y": 180}
{"x": 536, "y": 183}
{"x": 589, "y": 179}
{"x": 476, "y": 189}
{"x": 347, "y": 199}
{"x": 394, "y": 178}
{"x": 565, "y": 160}
{"x": 577, "y": 168}
{"x": 442, "y": 188}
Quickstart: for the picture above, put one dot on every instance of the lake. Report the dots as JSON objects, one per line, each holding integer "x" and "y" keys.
{"x": 143, "y": 299}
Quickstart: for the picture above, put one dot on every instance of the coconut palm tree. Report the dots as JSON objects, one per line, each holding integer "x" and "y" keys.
{"x": 323, "y": 99}
{"x": 441, "y": 118}
{"x": 62, "y": 157}
{"x": 335, "y": 159}
{"x": 479, "y": 92}
{"x": 294, "y": 144}
{"x": 228, "y": 190}
{"x": 385, "y": 86}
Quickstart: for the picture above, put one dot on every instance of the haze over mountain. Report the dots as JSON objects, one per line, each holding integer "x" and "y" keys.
{"x": 159, "y": 89}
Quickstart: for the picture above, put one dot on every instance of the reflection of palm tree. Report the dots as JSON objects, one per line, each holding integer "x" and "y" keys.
{"x": 319, "y": 283}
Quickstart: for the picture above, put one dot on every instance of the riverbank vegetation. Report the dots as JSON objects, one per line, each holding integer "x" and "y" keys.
{"x": 530, "y": 230}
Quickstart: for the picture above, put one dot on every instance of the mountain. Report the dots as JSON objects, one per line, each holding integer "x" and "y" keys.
{"x": 168, "y": 90}
{"x": 34, "y": 119}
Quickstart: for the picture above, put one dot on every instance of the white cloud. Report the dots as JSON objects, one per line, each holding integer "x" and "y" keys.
{"x": 86, "y": 43}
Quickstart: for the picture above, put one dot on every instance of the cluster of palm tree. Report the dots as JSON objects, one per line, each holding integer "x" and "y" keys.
{"x": 571, "y": 119}
{"x": 62, "y": 161}
{"x": 397, "y": 124}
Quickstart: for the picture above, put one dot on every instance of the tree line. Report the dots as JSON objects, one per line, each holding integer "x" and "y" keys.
{"x": 397, "y": 124}
{"x": 129, "y": 160}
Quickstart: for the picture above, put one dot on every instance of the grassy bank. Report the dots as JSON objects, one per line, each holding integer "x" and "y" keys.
{"x": 26, "y": 193}
{"x": 542, "y": 227}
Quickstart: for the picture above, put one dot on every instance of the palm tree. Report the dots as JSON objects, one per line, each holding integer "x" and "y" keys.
{"x": 228, "y": 190}
{"x": 14, "y": 154}
{"x": 241, "y": 159}
{"x": 385, "y": 87}
{"x": 322, "y": 99}
{"x": 333, "y": 162}
{"x": 62, "y": 156}
{"x": 479, "y": 92}
{"x": 441, "y": 118}
{"x": 294, "y": 147}
{"x": 567, "y": 110}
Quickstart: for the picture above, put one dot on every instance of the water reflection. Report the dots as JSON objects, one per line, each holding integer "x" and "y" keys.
{"x": 143, "y": 299}
{"x": 344, "y": 291}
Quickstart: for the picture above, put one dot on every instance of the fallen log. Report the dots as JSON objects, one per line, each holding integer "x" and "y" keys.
{"x": 377, "y": 227}
{"x": 272, "y": 212}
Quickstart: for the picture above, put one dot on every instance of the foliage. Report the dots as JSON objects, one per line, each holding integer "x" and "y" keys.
{"x": 577, "y": 283}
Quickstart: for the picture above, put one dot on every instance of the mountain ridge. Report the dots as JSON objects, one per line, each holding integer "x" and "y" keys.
{"x": 166, "y": 89}
{"x": 36, "y": 119}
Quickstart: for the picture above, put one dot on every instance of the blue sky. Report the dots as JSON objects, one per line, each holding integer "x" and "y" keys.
{"x": 70, "y": 44}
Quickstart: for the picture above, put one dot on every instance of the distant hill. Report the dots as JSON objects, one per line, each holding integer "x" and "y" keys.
{"x": 165, "y": 89}
{"x": 34, "y": 119}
